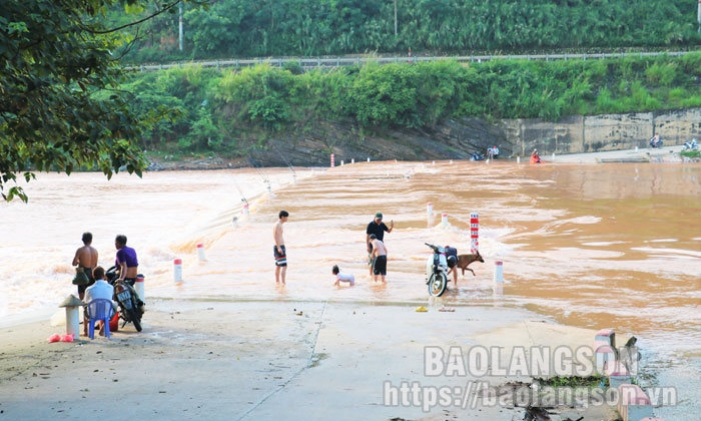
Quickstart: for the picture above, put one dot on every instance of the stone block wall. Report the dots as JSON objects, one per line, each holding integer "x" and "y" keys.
{"x": 607, "y": 132}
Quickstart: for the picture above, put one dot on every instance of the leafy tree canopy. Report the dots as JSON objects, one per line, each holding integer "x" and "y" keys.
{"x": 60, "y": 107}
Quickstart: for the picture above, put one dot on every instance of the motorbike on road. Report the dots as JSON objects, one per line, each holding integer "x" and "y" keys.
{"x": 131, "y": 308}
{"x": 656, "y": 142}
{"x": 690, "y": 145}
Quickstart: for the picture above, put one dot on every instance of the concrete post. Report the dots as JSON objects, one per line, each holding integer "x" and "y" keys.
{"x": 73, "y": 305}
{"x": 177, "y": 270}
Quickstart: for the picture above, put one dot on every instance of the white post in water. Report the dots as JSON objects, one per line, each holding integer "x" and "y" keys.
{"x": 245, "y": 208}
{"x": 200, "y": 252}
{"x": 444, "y": 220}
{"x": 333, "y": 161}
{"x": 139, "y": 287}
{"x": 518, "y": 159}
{"x": 178, "y": 270}
{"x": 429, "y": 209}
{"x": 352, "y": 160}
{"x": 474, "y": 232}
{"x": 498, "y": 273}
{"x": 553, "y": 156}
{"x": 368, "y": 159}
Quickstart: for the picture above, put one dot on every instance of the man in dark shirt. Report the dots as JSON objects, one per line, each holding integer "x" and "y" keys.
{"x": 378, "y": 228}
{"x": 126, "y": 261}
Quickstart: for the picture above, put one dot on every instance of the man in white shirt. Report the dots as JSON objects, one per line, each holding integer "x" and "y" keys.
{"x": 100, "y": 289}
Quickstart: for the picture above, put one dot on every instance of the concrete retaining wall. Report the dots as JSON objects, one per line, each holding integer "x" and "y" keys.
{"x": 608, "y": 132}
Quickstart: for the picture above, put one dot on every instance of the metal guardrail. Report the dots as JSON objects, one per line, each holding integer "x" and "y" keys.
{"x": 356, "y": 61}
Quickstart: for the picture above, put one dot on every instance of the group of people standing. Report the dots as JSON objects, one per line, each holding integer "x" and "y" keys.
{"x": 374, "y": 241}
{"x": 85, "y": 261}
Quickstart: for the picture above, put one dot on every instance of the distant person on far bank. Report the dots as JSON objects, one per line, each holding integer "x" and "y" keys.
{"x": 656, "y": 142}
{"x": 493, "y": 152}
{"x": 378, "y": 228}
{"x": 279, "y": 251}
{"x": 535, "y": 158}
{"x": 85, "y": 260}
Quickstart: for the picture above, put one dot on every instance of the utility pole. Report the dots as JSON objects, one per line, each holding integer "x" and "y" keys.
{"x": 180, "y": 38}
{"x": 395, "y": 16}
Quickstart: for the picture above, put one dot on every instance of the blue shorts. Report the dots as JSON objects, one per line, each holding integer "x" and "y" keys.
{"x": 280, "y": 258}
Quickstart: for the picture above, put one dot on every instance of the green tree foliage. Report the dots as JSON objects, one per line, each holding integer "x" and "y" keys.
{"x": 60, "y": 106}
{"x": 261, "y": 28}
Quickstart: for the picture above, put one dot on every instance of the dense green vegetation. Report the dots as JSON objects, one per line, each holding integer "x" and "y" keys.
{"x": 232, "y": 110}
{"x": 260, "y": 28}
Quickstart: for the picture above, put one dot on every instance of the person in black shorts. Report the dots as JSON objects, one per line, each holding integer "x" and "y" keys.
{"x": 279, "y": 251}
{"x": 378, "y": 228}
{"x": 379, "y": 254}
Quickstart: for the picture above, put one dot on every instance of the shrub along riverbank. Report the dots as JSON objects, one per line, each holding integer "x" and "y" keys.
{"x": 236, "y": 112}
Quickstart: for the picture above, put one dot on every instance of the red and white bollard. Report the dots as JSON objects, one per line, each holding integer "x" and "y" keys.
{"x": 429, "y": 209}
{"x": 139, "y": 287}
{"x": 333, "y": 160}
{"x": 245, "y": 208}
{"x": 444, "y": 220}
{"x": 178, "y": 270}
{"x": 200, "y": 252}
{"x": 474, "y": 232}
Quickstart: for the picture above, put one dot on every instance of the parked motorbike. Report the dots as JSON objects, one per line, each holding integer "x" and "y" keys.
{"x": 476, "y": 156}
{"x": 131, "y": 308}
{"x": 656, "y": 142}
{"x": 436, "y": 271}
{"x": 690, "y": 145}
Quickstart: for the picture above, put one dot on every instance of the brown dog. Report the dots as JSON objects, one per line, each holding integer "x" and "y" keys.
{"x": 464, "y": 261}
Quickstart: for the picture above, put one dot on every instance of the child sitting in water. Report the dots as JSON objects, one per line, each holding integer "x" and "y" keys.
{"x": 342, "y": 277}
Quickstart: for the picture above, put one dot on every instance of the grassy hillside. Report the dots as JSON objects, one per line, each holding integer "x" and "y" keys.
{"x": 232, "y": 112}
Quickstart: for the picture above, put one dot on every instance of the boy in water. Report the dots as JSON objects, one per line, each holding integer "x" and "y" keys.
{"x": 279, "y": 251}
{"x": 379, "y": 255}
{"x": 342, "y": 277}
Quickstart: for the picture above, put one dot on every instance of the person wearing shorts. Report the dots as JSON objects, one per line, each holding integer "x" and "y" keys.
{"x": 86, "y": 259}
{"x": 378, "y": 228}
{"x": 279, "y": 251}
{"x": 379, "y": 254}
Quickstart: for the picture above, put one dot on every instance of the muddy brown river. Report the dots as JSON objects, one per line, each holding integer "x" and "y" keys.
{"x": 588, "y": 245}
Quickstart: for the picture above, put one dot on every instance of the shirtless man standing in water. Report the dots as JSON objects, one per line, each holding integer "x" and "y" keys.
{"x": 279, "y": 251}
{"x": 86, "y": 259}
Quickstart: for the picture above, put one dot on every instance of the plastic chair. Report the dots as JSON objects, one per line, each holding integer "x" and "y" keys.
{"x": 99, "y": 309}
